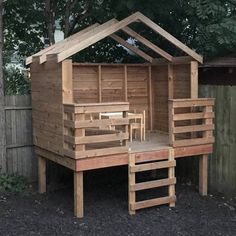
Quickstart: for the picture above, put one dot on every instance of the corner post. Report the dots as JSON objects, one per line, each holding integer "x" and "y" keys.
{"x": 42, "y": 174}
{"x": 203, "y": 174}
{"x": 78, "y": 194}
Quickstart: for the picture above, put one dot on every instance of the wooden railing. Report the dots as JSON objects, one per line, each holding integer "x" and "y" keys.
{"x": 191, "y": 122}
{"x": 87, "y": 135}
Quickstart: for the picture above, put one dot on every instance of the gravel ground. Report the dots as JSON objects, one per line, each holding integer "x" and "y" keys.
{"x": 106, "y": 212}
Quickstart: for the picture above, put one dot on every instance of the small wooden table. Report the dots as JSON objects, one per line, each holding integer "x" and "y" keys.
{"x": 131, "y": 116}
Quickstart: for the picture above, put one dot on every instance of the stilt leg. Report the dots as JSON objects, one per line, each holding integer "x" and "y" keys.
{"x": 132, "y": 195}
{"x": 78, "y": 194}
{"x": 203, "y": 174}
{"x": 42, "y": 174}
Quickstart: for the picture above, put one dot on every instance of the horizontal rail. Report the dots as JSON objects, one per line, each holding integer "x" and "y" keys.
{"x": 180, "y": 103}
{"x": 95, "y": 123}
{"x": 95, "y": 152}
{"x": 193, "y": 116}
{"x": 96, "y": 108}
{"x": 96, "y": 138}
{"x": 192, "y": 128}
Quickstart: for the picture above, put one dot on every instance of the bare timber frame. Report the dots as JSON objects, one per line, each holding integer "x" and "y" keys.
{"x": 65, "y": 95}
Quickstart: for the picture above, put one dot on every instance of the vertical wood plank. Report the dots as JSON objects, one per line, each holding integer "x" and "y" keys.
{"x": 171, "y": 174}
{"x": 67, "y": 86}
{"x": 132, "y": 194}
{"x": 203, "y": 174}
{"x": 79, "y": 132}
{"x": 170, "y": 81}
{"x": 42, "y": 174}
{"x": 150, "y": 97}
{"x": 99, "y": 83}
{"x": 78, "y": 194}
{"x": 171, "y": 123}
{"x": 125, "y": 84}
{"x": 194, "y": 79}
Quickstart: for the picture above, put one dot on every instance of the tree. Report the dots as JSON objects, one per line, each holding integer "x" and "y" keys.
{"x": 2, "y": 101}
{"x": 205, "y": 25}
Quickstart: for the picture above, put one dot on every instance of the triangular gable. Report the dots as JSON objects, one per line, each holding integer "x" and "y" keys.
{"x": 90, "y": 36}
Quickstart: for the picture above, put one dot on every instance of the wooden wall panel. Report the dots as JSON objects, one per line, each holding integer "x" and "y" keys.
{"x": 160, "y": 97}
{"x": 47, "y": 109}
{"x": 85, "y": 84}
{"x": 181, "y": 74}
{"x": 182, "y": 81}
{"x": 137, "y": 84}
{"x": 112, "y": 83}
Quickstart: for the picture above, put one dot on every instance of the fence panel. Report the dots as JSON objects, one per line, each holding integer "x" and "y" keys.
{"x": 222, "y": 164}
{"x": 19, "y": 145}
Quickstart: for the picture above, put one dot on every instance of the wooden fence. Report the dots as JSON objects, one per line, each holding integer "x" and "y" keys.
{"x": 222, "y": 175}
{"x": 222, "y": 164}
{"x": 20, "y": 157}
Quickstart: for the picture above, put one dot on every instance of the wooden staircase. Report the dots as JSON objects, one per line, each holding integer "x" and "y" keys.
{"x": 135, "y": 167}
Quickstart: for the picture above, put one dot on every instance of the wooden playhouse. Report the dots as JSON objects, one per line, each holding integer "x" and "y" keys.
{"x": 84, "y": 113}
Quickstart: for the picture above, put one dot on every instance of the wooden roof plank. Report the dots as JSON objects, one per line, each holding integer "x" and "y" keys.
{"x": 169, "y": 37}
{"x": 59, "y": 44}
{"x": 147, "y": 43}
{"x": 97, "y": 37}
{"x": 131, "y": 47}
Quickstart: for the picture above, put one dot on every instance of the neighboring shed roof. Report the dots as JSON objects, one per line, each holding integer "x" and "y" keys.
{"x": 97, "y": 32}
{"x": 221, "y": 62}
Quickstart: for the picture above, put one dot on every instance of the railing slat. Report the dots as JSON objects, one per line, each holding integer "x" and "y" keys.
{"x": 192, "y": 128}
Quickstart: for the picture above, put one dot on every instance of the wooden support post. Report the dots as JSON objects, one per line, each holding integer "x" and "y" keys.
{"x": 125, "y": 84}
{"x": 194, "y": 88}
{"x": 194, "y": 79}
{"x": 99, "y": 83}
{"x": 171, "y": 123}
{"x": 170, "y": 104}
{"x": 132, "y": 194}
{"x": 41, "y": 174}
{"x": 170, "y": 81}
{"x": 78, "y": 194}
{"x": 67, "y": 86}
{"x": 150, "y": 97}
{"x": 203, "y": 174}
{"x": 171, "y": 174}
{"x": 125, "y": 115}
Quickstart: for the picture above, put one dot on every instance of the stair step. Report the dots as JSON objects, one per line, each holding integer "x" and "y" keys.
{"x": 152, "y": 166}
{"x": 153, "y": 184}
{"x": 152, "y": 202}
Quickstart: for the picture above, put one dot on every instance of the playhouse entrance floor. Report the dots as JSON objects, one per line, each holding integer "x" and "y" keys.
{"x": 155, "y": 140}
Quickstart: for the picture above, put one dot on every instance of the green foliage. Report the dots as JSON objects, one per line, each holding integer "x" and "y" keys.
{"x": 12, "y": 183}
{"x": 209, "y": 26}
{"x": 15, "y": 82}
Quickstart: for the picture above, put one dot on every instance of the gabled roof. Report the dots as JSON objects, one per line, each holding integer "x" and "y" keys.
{"x": 97, "y": 32}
